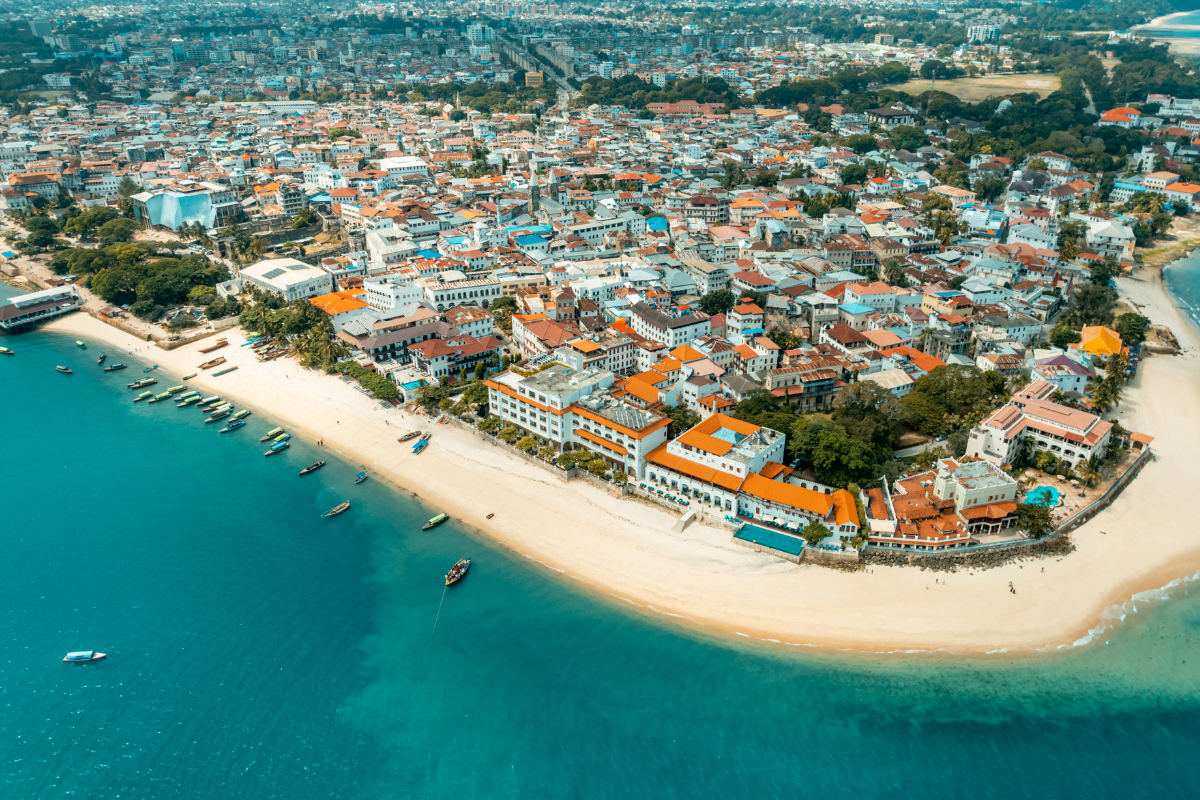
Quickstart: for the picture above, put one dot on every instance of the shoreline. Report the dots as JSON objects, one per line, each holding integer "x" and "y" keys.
{"x": 698, "y": 578}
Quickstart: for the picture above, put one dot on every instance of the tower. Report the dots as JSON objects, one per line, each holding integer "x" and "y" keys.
{"x": 534, "y": 192}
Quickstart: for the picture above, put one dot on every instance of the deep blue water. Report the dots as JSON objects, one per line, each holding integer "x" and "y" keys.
{"x": 1183, "y": 281}
{"x": 257, "y": 651}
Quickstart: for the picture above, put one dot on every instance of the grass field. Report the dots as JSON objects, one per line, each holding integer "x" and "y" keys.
{"x": 981, "y": 88}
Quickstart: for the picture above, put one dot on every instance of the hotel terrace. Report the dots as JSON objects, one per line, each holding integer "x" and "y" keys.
{"x": 1070, "y": 434}
{"x": 576, "y": 409}
{"x": 730, "y": 465}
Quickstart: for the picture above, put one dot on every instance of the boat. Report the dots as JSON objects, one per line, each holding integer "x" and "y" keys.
{"x": 360, "y": 477}
{"x": 114, "y": 368}
{"x": 188, "y": 395}
{"x": 64, "y": 370}
{"x": 210, "y": 406}
{"x": 421, "y": 445}
{"x": 271, "y": 434}
{"x": 175, "y": 389}
{"x": 279, "y": 448}
{"x": 458, "y": 571}
{"x": 489, "y": 516}
{"x": 217, "y": 346}
{"x": 189, "y": 377}
{"x": 409, "y": 435}
{"x": 100, "y": 360}
{"x": 80, "y": 344}
{"x": 425, "y": 437}
{"x": 438, "y": 520}
{"x": 222, "y": 372}
{"x": 245, "y": 412}
{"x": 213, "y": 363}
{"x": 188, "y": 402}
{"x": 6, "y": 351}
{"x": 217, "y": 415}
{"x": 283, "y": 437}
{"x": 150, "y": 369}
{"x": 212, "y": 398}
{"x": 158, "y": 398}
{"x": 233, "y": 425}
{"x": 143, "y": 396}
{"x": 84, "y": 656}
{"x": 141, "y": 382}
{"x": 312, "y": 468}
{"x": 338, "y": 509}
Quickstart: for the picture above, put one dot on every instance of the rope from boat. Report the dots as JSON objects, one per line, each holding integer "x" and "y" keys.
{"x": 439, "y": 612}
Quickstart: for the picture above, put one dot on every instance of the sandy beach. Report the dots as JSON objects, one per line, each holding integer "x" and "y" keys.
{"x": 628, "y": 551}
{"x": 1162, "y": 31}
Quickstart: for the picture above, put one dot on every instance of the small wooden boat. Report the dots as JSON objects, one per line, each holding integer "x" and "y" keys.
{"x": 114, "y": 368}
{"x": 458, "y": 571}
{"x": 143, "y": 396}
{"x": 191, "y": 401}
{"x": 212, "y": 398}
{"x": 338, "y": 509}
{"x": 221, "y": 414}
{"x": 420, "y": 447}
{"x": 271, "y": 434}
{"x": 80, "y": 344}
{"x": 360, "y": 477}
{"x": 222, "y": 372}
{"x": 175, "y": 389}
{"x": 245, "y": 412}
{"x": 64, "y": 370}
{"x": 278, "y": 448}
{"x": 84, "y": 656}
{"x": 312, "y": 468}
{"x": 216, "y": 346}
{"x": 189, "y": 377}
{"x": 140, "y": 382}
{"x": 438, "y": 520}
{"x": 150, "y": 369}
{"x": 489, "y": 516}
{"x": 233, "y": 425}
{"x": 409, "y": 435}
{"x": 6, "y": 351}
{"x": 283, "y": 437}
{"x": 100, "y": 360}
{"x": 215, "y": 362}
{"x": 158, "y": 398}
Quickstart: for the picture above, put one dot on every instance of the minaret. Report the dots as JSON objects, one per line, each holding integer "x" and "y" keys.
{"x": 534, "y": 193}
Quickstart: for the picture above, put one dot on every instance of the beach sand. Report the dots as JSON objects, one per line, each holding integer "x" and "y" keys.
{"x": 1160, "y": 30}
{"x": 627, "y": 550}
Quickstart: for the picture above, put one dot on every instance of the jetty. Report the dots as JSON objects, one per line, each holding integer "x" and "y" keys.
{"x": 29, "y": 309}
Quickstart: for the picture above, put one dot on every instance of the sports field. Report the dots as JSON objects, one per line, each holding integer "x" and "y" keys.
{"x": 985, "y": 86}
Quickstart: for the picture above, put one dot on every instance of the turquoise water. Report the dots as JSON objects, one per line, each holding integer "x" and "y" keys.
{"x": 1183, "y": 281}
{"x": 1046, "y": 495}
{"x": 257, "y": 651}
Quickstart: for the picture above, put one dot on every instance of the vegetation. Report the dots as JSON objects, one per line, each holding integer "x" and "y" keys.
{"x": 377, "y": 384}
{"x": 815, "y": 533}
{"x": 311, "y": 338}
{"x": 681, "y": 420}
{"x": 1035, "y": 518}
{"x": 950, "y": 398}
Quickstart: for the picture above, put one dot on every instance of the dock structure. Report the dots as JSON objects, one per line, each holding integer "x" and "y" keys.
{"x": 28, "y": 309}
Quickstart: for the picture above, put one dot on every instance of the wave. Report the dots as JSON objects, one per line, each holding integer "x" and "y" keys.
{"x": 1115, "y": 615}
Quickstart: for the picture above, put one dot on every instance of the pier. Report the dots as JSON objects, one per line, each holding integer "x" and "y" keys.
{"x": 29, "y": 309}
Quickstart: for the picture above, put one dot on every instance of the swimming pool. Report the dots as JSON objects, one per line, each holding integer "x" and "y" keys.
{"x": 1044, "y": 495}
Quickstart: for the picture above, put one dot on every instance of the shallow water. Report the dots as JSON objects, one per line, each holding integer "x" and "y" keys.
{"x": 258, "y": 651}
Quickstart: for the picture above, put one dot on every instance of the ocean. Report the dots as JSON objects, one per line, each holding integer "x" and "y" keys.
{"x": 256, "y": 650}
{"x": 1183, "y": 284}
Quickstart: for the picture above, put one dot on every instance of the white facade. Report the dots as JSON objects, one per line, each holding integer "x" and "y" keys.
{"x": 291, "y": 279}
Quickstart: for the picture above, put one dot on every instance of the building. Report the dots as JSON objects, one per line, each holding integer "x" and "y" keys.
{"x": 576, "y": 410}
{"x": 672, "y": 329}
{"x": 28, "y": 309}
{"x": 443, "y": 294}
{"x": 1031, "y": 421}
{"x": 288, "y": 278}
{"x": 446, "y": 357}
{"x": 533, "y": 80}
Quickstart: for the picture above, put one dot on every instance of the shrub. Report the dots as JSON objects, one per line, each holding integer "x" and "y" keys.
{"x": 509, "y": 434}
{"x": 620, "y": 477}
{"x": 547, "y": 452}
{"x": 490, "y": 425}
{"x": 598, "y": 467}
{"x": 526, "y": 444}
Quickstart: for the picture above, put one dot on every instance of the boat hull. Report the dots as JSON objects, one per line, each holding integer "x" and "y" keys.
{"x": 458, "y": 571}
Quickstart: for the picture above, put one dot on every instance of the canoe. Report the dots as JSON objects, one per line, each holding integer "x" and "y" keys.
{"x": 312, "y": 468}
{"x": 189, "y": 377}
{"x": 213, "y": 363}
{"x": 338, "y": 509}
{"x": 103, "y": 356}
{"x": 222, "y": 372}
{"x": 219, "y": 344}
{"x": 150, "y": 369}
{"x": 409, "y": 435}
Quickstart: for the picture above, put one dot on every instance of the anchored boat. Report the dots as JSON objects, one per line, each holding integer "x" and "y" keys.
{"x": 6, "y": 351}
{"x": 245, "y": 412}
{"x": 458, "y": 571}
{"x": 312, "y": 468}
{"x": 80, "y": 344}
{"x": 150, "y": 369}
{"x": 114, "y": 367}
{"x": 438, "y": 520}
{"x": 338, "y": 509}
{"x": 278, "y": 448}
{"x": 271, "y": 434}
{"x": 83, "y": 656}
{"x": 158, "y": 398}
{"x": 360, "y": 477}
{"x": 143, "y": 396}
{"x": 233, "y": 425}
{"x": 140, "y": 382}
{"x": 64, "y": 370}
{"x": 100, "y": 360}
{"x": 220, "y": 413}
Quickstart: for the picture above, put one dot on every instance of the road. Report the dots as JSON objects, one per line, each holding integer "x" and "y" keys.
{"x": 915, "y": 449}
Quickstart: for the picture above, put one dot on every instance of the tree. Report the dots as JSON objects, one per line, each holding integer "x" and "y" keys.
{"x": 681, "y": 420}
{"x": 1035, "y": 518}
{"x": 814, "y": 533}
{"x": 717, "y": 302}
{"x": 1062, "y": 335}
{"x": 893, "y": 272}
{"x": 598, "y": 467}
{"x": 502, "y": 308}
{"x": 117, "y": 230}
{"x": 86, "y": 223}
{"x": 1037, "y": 164}
{"x": 907, "y": 137}
{"x": 337, "y": 133}
{"x": 1045, "y": 461}
{"x": 304, "y": 217}
{"x": 127, "y": 187}
{"x": 836, "y": 458}
{"x": 526, "y": 444}
{"x": 734, "y": 176}
{"x": 547, "y": 453}
{"x": 988, "y": 188}
{"x": 1132, "y": 327}
{"x": 957, "y": 444}
{"x": 785, "y": 340}
{"x": 854, "y": 173}
{"x": 491, "y": 424}
{"x": 509, "y": 434}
